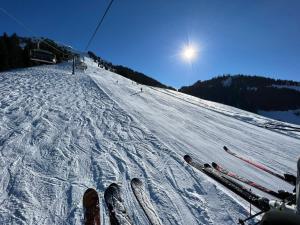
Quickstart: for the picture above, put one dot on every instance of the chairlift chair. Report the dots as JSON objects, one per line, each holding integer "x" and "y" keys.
{"x": 79, "y": 63}
{"x": 44, "y": 56}
{"x": 81, "y": 66}
{"x": 40, "y": 55}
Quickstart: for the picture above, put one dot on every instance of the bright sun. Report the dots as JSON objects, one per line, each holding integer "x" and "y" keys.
{"x": 189, "y": 53}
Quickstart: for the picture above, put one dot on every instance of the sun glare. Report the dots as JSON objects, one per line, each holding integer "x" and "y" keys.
{"x": 189, "y": 53}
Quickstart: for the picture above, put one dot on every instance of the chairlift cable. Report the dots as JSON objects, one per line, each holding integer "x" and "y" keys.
{"x": 26, "y": 28}
{"x": 15, "y": 19}
{"x": 99, "y": 24}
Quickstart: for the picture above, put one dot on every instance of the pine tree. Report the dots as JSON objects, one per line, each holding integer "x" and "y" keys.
{"x": 4, "y": 65}
{"x": 15, "y": 56}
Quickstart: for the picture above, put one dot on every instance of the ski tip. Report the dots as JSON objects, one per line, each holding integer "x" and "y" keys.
{"x": 214, "y": 165}
{"x": 206, "y": 165}
{"x": 111, "y": 187}
{"x": 187, "y": 158}
{"x": 110, "y": 191}
{"x": 225, "y": 148}
{"x": 136, "y": 181}
{"x": 89, "y": 190}
{"x": 90, "y": 198}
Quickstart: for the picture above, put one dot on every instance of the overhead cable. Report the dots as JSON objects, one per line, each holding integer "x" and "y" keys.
{"x": 29, "y": 30}
{"x": 99, "y": 24}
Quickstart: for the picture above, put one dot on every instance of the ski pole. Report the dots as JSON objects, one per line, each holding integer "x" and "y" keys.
{"x": 250, "y": 217}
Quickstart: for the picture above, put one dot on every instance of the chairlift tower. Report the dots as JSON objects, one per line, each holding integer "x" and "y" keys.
{"x": 73, "y": 70}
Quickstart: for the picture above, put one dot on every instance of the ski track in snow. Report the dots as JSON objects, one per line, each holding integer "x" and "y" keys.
{"x": 61, "y": 134}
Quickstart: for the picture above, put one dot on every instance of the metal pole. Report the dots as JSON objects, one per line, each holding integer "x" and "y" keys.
{"x": 250, "y": 203}
{"x": 250, "y": 217}
{"x": 73, "y": 71}
{"x": 298, "y": 187}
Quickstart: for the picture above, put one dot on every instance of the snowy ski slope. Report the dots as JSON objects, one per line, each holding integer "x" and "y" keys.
{"x": 60, "y": 134}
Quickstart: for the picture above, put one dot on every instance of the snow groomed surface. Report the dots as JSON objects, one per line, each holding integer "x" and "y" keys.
{"x": 61, "y": 134}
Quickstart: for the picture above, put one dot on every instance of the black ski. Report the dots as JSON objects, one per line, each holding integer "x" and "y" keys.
{"x": 280, "y": 194}
{"x": 115, "y": 204}
{"x": 139, "y": 192}
{"x": 91, "y": 207}
{"x": 291, "y": 179}
{"x": 235, "y": 187}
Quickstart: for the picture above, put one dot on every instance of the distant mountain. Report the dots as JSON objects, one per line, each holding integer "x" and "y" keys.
{"x": 251, "y": 93}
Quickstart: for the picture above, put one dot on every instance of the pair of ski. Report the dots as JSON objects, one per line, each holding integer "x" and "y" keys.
{"x": 291, "y": 179}
{"x": 224, "y": 176}
{"x": 229, "y": 183}
{"x": 117, "y": 211}
{"x": 280, "y": 194}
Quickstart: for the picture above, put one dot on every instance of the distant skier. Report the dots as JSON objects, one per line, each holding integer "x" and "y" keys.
{"x": 141, "y": 89}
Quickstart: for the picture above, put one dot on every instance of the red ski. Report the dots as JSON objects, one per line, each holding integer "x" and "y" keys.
{"x": 280, "y": 194}
{"x": 91, "y": 207}
{"x": 286, "y": 177}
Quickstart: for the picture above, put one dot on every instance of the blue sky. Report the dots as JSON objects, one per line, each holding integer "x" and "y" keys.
{"x": 254, "y": 37}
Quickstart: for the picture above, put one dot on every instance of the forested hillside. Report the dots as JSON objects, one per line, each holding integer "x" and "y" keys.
{"x": 15, "y": 51}
{"x": 250, "y": 93}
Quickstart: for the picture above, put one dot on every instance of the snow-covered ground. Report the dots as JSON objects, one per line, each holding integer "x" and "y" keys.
{"x": 293, "y": 87}
{"x": 62, "y": 133}
{"x": 291, "y": 116}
